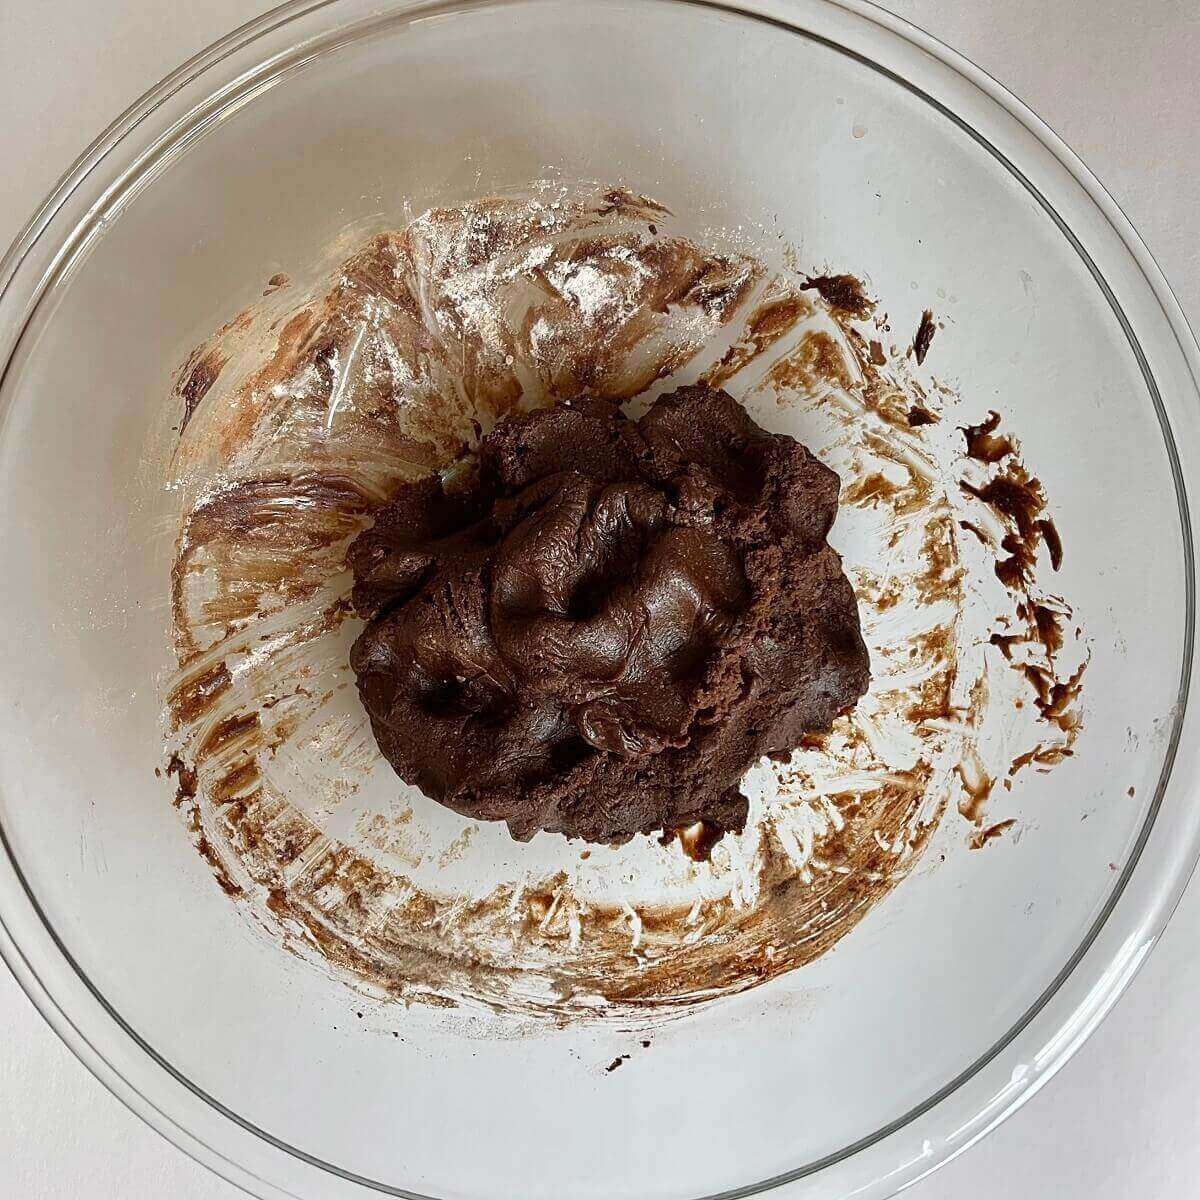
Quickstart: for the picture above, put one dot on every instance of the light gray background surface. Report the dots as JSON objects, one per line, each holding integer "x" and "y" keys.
{"x": 1120, "y": 81}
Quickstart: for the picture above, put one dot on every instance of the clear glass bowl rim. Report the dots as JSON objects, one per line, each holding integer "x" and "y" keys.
{"x": 1056, "y": 1023}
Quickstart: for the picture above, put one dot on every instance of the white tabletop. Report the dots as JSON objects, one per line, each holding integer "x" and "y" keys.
{"x": 1118, "y": 80}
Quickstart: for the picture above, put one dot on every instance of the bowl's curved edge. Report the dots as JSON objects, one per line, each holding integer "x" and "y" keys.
{"x": 78, "y": 1043}
{"x": 10, "y": 263}
{"x": 1082, "y": 1021}
{"x": 1189, "y": 346}
{"x": 133, "y": 116}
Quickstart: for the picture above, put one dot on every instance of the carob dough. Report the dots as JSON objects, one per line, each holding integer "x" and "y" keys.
{"x": 601, "y": 626}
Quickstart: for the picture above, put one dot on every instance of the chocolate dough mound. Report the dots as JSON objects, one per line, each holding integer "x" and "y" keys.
{"x": 601, "y": 629}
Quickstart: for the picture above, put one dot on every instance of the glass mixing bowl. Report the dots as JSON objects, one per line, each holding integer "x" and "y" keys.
{"x": 868, "y": 146}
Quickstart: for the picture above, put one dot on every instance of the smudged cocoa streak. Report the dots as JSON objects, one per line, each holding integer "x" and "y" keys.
{"x": 698, "y": 840}
{"x": 185, "y": 799}
{"x": 1056, "y": 698}
{"x": 1034, "y": 646}
{"x": 228, "y": 733}
{"x": 845, "y": 294}
{"x": 1041, "y": 757}
{"x": 199, "y": 375}
{"x": 983, "y": 836}
{"x": 984, "y": 444}
{"x": 980, "y": 535}
{"x": 766, "y": 325}
{"x": 622, "y": 200}
{"x": 817, "y": 362}
{"x": 282, "y": 533}
{"x": 977, "y": 787}
{"x": 1053, "y": 542}
{"x": 1019, "y": 499}
{"x": 195, "y": 694}
{"x": 1049, "y": 627}
{"x": 205, "y": 849}
{"x": 924, "y": 336}
{"x": 186, "y": 789}
{"x": 871, "y": 489}
{"x": 1004, "y": 642}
